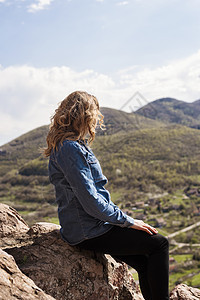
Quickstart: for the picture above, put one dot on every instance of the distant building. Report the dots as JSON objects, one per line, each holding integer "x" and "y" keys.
{"x": 160, "y": 222}
{"x": 2, "y": 152}
{"x": 140, "y": 216}
{"x": 192, "y": 191}
{"x": 139, "y": 204}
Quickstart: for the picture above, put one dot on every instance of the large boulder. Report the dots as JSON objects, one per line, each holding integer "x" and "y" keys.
{"x": 184, "y": 292}
{"x": 66, "y": 272}
{"x": 49, "y": 266}
{"x": 14, "y": 284}
{"x": 60, "y": 270}
{"x": 12, "y": 226}
{"x": 10, "y": 221}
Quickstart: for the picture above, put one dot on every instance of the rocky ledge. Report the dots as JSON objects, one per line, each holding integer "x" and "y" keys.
{"x": 35, "y": 263}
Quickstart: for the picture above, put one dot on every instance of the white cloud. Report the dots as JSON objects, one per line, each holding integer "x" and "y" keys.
{"x": 179, "y": 79}
{"x": 30, "y": 95}
{"x": 39, "y": 5}
{"x": 122, "y": 3}
{"x": 1, "y": 1}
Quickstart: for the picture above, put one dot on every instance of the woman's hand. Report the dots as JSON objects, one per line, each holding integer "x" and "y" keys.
{"x": 140, "y": 225}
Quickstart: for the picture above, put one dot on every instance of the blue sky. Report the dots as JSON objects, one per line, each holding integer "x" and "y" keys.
{"x": 111, "y": 48}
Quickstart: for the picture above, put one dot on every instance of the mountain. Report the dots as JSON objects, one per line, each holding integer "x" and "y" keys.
{"x": 27, "y": 146}
{"x": 117, "y": 121}
{"x": 153, "y": 171}
{"x": 137, "y": 154}
{"x": 171, "y": 110}
{"x": 24, "y": 181}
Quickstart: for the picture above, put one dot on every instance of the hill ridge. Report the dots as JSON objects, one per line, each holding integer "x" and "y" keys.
{"x": 171, "y": 110}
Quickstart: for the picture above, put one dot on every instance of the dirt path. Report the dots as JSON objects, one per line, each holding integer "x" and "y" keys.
{"x": 183, "y": 230}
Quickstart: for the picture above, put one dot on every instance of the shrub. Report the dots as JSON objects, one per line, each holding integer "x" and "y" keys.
{"x": 196, "y": 256}
{"x": 34, "y": 167}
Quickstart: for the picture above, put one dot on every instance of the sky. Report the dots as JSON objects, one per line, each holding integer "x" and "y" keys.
{"x": 113, "y": 49}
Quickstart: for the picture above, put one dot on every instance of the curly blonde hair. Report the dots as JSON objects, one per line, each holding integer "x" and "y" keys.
{"x": 75, "y": 117}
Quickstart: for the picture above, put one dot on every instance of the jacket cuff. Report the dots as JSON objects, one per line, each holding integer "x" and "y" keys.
{"x": 129, "y": 221}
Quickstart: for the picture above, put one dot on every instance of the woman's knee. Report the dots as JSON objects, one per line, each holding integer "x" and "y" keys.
{"x": 161, "y": 241}
{"x": 165, "y": 242}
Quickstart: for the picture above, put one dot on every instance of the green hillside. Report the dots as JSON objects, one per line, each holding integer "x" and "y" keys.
{"x": 119, "y": 121}
{"x": 152, "y": 158}
{"x": 26, "y": 147}
{"x": 153, "y": 170}
{"x": 19, "y": 151}
{"x": 166, "y": 157}
{"x": 173, "y": 111}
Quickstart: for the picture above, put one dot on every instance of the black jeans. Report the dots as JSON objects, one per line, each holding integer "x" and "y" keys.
{"x": 147, "y": 254}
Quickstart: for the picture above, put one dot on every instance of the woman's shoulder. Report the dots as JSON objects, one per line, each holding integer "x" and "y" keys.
{"x": 72, "y": 147}
{"x": 70, "y": 143}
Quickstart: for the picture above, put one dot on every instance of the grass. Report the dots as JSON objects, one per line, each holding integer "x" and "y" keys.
{"x": 135, "y": 275}
{"x": 194, "y": 281}
{"x": 162, "y": 231}
{"x": 176, "y": 278}
{"x": 182, "y": 257}
{"x": 23, "y": 212}
{"x": 115, "y": 196}
{"x": 52, "y": 220}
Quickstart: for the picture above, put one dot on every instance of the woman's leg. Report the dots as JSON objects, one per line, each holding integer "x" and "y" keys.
{"x": 139, "y": 263}
{"x": 130, "y": 243}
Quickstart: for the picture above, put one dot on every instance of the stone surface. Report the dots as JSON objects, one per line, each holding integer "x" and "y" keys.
{"x": 10, "y": 221}
{"x": 42, "y": 227}
{"x": 67, "y": 272}
{"x": 49, "y": 266}
{"x": 12, "y": 226}
{"x": 184, "y": 292}
{"x": 14, "y": 284}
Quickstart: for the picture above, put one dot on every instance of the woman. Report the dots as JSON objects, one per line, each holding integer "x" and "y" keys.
{"x": 87, "y": 216}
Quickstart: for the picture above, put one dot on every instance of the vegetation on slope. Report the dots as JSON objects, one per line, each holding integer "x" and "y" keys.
{"x": 153, "y": 171}
{"x": 173, "y": 111}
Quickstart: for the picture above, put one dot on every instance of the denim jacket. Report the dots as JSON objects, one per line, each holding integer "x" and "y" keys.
{"x": 85, "y": 209}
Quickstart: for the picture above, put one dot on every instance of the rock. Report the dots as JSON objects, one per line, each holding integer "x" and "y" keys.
{"x": 12, "y": 226}
{"x": 184, "y": 292}
{"x": 42, "y": 227}
{"x": 67, "y": 272}
{"x": 10, "y": 221}
{"x": 14, "y": 284}
{"x": 47, "y": 265}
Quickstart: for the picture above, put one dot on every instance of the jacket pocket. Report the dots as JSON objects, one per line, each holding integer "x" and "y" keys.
{"x": 95, "y": 168}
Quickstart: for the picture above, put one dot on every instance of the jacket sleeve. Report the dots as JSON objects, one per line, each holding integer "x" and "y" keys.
{"x": 75, "y": 167}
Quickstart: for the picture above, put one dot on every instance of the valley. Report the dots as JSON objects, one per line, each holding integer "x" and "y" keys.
{"x": 153, "y": 169}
